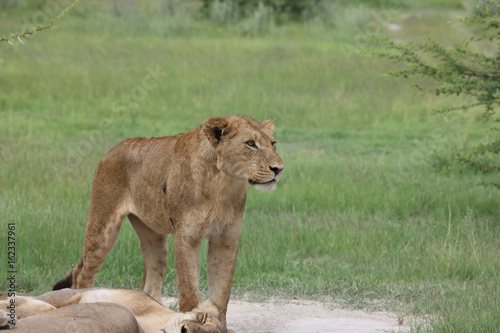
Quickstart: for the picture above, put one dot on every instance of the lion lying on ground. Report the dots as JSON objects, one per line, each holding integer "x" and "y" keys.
{"x": 105, "y": 310}
{"x": 192, "y": 185}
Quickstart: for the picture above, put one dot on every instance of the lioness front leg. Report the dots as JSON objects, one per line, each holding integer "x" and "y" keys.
{"x": 26, "y": 306}
{"x": 221, "y": 263}
{"x": 187, "y": 269}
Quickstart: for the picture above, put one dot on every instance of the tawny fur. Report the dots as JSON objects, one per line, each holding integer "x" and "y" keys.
{"x": 107, "y": 310}
{"x": 192, "y": 185}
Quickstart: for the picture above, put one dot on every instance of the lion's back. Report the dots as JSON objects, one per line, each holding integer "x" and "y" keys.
{"x": 132, "y": 159}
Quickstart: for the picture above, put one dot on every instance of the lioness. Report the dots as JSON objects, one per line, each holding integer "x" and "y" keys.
{"x": 105, "y": 310}
{"x": 192, "y": 185}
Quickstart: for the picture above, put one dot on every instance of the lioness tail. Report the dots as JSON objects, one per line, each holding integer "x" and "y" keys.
{"x": 65, "y": 282}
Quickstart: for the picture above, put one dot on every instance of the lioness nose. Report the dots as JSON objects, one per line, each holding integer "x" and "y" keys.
{"x": 276, "y": 170}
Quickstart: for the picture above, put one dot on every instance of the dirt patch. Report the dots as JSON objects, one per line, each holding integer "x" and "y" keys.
{"x": 304, "y": 316}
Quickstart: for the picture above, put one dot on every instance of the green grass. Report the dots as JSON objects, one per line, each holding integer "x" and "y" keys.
{"x": 361, "y": 217}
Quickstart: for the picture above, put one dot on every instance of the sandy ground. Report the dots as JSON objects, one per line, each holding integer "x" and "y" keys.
{"x": 304, "y": 316}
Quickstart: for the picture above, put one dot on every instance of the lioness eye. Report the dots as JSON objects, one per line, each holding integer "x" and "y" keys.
{"x": 251, "y": 143}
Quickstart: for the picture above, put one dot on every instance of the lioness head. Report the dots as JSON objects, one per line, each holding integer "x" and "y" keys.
{"x": 203, "y": 319}
{"x": 246, "y": 149}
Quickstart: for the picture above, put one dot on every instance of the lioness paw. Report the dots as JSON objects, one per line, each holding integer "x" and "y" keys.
{"x": 7, "y": 321}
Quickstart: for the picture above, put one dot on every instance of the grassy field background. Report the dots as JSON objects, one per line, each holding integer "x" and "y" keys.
{"x": 362, "y": 217}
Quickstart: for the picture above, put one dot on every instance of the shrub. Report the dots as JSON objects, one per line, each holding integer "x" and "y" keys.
{"x": 460, "y": 71}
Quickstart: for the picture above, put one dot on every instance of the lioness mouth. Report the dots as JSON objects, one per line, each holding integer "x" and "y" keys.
{"x": 253, "y": 182}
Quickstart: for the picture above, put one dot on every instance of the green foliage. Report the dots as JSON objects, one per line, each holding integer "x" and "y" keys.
{"x": 459, "y": 71}
{"x": 259, "y": 22}
{"x": 291, "y": 9}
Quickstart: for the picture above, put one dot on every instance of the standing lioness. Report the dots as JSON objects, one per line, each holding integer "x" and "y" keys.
{"x": 192, "y": 185}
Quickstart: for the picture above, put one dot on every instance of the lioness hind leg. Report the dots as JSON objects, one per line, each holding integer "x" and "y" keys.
{"x": 103, "y": 227}
{"x": 154, "y": 248}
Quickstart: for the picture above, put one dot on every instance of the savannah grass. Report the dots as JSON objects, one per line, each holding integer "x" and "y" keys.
{"x": 361, "y": 218}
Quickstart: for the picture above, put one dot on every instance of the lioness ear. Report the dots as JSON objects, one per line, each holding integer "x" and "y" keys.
{"x": 215, "y": 128}
{"x": 268, "y": 125}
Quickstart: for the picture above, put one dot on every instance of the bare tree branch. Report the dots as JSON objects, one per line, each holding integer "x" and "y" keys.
{"x": 32, "y": 31}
